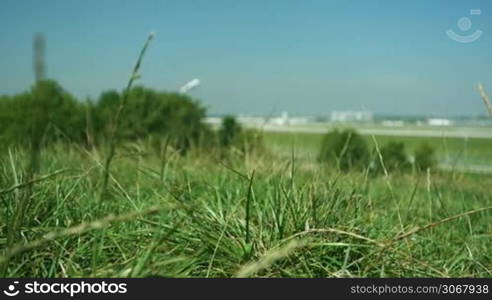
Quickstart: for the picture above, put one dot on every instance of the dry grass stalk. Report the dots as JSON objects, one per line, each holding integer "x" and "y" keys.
{"x": 35, "y": 180}
{"x": 76, "y": 230}
{"x": 485, "y": 99}
{"x": 116, "y": 121}
{"x": 268, "y": 259}
{"x": 38, "y": 123}
{"x": 437, "y": 223}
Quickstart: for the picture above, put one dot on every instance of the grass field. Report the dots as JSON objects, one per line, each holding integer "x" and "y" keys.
{"x": 276, "y": 214}
{"x": 460, "y": 151}
{"x": 98, "y": 190}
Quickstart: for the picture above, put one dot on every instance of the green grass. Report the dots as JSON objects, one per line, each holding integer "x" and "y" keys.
{"x": 268, "y": 215}
{"x": 474, "y": 151}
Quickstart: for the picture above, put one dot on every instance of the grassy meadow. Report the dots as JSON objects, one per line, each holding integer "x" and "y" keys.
{"x": 135, "y": 184}
{"x": 449, "y": 150}
{"x": 277, "y": 213}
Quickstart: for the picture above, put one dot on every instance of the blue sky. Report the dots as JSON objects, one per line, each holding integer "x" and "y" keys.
{"x": 305, "y": 57}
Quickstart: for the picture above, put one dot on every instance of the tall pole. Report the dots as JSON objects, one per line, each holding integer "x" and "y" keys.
{"x": 39, "y": 46}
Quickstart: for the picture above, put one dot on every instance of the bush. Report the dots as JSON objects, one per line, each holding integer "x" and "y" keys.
{"x": 344, "y": 149}
{"x": 63, "y": 114}
{"x": 425, "y": 157}
{"x": 251, "y": 141}
{"x": 232, "y": 136}
{"x": 14, "y": 116}
{"x": 229, "y": 131}
{"x": 151, "y": 113}
{"x": 47, "y": 113}
{"x": 394, "y": 158}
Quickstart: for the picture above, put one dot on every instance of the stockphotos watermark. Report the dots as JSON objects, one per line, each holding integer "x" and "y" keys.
{"x": 64, "y": 288}
{"x": 464, "y": 25}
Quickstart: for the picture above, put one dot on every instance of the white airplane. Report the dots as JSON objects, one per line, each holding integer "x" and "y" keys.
{"x": 189, "y": 86}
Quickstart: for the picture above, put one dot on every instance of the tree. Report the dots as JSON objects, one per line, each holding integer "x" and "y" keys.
{"x": 46, "y": 114}
{"x": 425, "y": 157}
{"x": 150, "y": 113}
{"x": 393, "y": 156}
{"x": 229, "y": 131}
{"x": 344, "y": 149}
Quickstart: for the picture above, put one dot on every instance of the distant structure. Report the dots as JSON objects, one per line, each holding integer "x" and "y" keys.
{"x": 393, "y": 123}
{"x": 282, "y": 120}
{"x": 351, "y": 116}
{"x": 301, "y": 120}
{"x": 439, "y": 122}
{"x": 251, "y": 120}
{"x": 39, "y": 46}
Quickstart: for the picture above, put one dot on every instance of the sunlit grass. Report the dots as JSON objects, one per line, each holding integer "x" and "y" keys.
{"x": 204, "y": 218}
{"x": 475, "y": 151}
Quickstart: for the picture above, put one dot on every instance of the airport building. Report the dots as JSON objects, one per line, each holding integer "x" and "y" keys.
{"x": 351, "y": 116}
